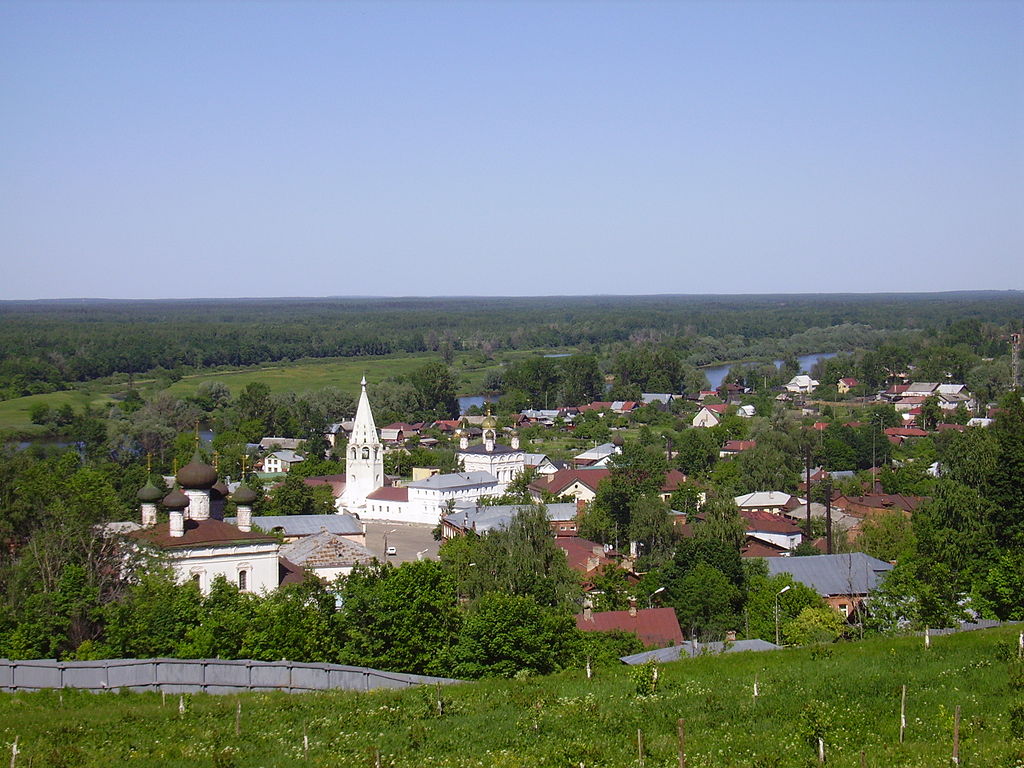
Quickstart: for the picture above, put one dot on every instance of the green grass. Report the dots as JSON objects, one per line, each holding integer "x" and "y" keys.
{"x": 298, "y": 376}
{"x": 14, "y": 414}
{"x": 851, "y": 692}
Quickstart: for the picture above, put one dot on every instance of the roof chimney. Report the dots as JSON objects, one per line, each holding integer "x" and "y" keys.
{"x": 730, "y": 636}
{"x": 588, "y": 610}
{"x": 632, "y": 606}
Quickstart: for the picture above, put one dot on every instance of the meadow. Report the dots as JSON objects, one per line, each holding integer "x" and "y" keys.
{"x": 299, "y": 376}
{"x": 848, "y": 695}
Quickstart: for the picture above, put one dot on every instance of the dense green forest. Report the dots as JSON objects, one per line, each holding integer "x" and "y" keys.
{"x": 48, "y": 345}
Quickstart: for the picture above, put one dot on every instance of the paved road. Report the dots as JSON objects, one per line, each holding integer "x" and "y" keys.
{"x": 408, "y": 538}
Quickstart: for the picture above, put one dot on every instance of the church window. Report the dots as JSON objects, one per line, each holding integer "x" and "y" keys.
{"x": 366, "y": 453}
{"x": 353, "y": 452}
{"x": 242, "y": 580}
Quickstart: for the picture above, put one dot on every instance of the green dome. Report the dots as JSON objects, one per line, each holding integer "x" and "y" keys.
{"x": 149, "y": 493}
{"x": 175, "y": 500}
{"x": 197, "y": 474}
{"x": 243, "y": 495}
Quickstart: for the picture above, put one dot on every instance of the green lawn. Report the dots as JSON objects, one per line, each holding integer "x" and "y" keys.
{"x": 848, "y": 694}
{"x": 14, "y": 414}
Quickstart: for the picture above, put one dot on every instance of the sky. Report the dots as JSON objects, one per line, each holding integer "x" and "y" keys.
{"x": 235, "y": 149}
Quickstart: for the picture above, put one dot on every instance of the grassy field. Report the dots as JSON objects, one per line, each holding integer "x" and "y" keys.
{"x": 14, "y": 414}
{"x": 298, "y": 376}
{"x": 847, "y": 694}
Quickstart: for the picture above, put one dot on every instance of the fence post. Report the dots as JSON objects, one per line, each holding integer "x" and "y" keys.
{"x": 681, "y": 730}
{"x": 903, "y": 713}
{"x": 956, "y": 736}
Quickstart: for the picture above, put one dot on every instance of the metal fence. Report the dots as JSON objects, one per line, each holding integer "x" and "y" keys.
{"x": 217, "y": 676}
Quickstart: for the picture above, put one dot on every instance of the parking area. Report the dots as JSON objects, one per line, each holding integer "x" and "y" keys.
{"x": 408, "y": 539}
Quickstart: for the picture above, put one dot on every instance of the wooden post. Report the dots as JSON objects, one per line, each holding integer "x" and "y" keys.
{"x": 14, "y": 752}
{"x": 756, "y": 692}
{"x": 956, "y": 736}
{"x": 640, "y": 744}
{"x": 821, "y": 751}
{"x": 1020, "y": 646}
{"x": 440, "y": 701}
{"x": 376, "y": 757}
{"x": 927, "y": 638}
{"x": 863, "y": 760}
{"x": 238, "y": 717}
{"x": 305, "y": 743}
{"x": 163, "y": 698}
{"x": 590, "y": 672}
{"x": 181, "y": 705}
{"x": 681, "y": 730}
{"x": 903, "y": 713}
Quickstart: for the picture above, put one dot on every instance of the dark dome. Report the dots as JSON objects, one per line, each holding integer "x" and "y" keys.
{"x": 175, "y": 499}
{"x": 617, "y": 440}
{"x": 148, "y": 493}
{"x": 197, "y": 474}
{"x": 219, "y": 490}
{"x": 243, "y": 495}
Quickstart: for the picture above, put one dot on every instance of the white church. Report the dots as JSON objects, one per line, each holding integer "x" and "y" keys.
{"x": 489, "y": 467}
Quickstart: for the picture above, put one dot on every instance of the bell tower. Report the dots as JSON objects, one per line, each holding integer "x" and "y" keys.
{"x": 364, "y": 457}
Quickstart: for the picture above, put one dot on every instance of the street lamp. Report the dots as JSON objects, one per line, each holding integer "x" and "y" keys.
{"x": 650, "y": 599}
{"x": 778, "y": 640}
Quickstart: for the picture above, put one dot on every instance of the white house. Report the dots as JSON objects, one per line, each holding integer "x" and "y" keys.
{"x": 709, "y": 415}
{"x": 802, "y": 384}
{"x": 281, "y": 461}
{"x": 424, "y": 501}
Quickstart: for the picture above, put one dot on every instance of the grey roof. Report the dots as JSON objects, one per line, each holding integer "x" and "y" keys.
{"x": 658, "y": 397}
{"x": 848, "y": 574}
{"x": 305, "y": 525}
{"x": 454, "y": 480}
{"x": 691, "y": 649}
{"x": 325, "y": 550}
{"x": 499, "y": 516}
{"x": 599, "y": 452}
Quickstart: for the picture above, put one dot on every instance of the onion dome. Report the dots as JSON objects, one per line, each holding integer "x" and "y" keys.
{"x": 197, "y": 474}
{"x": 489, "y": 422}
{"x": 219, "y": 490}
{"x": 617, "y": 440}
{"x": 243, "y": 494}
{"x": 149, "y": 493}
{"x": 175, "y": 500}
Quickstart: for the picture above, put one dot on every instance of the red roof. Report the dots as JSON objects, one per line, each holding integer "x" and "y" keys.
{"x": 336, "y": 482}
{"x": 558, "y": 481}
{"x": 673, "y": 479}
{"x": 198, "y": 533}
{"x": 581, "y": 553}
{"x": 951, "y": 427}
{"x": 717, "y": 407}
{"x": 768, "y": 522}
{"x": 757, "y": 548}
{"x": 735, "y": 446}
{"x": 850, "y": 382}
{"x": 656, "y": 627}
{"x": 821, "y": 426}
{"x": 389, "y": 493}
{"x": 905, "y": 432}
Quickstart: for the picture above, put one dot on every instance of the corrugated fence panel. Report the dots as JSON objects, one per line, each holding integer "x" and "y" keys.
{"x": 217, "y": 676}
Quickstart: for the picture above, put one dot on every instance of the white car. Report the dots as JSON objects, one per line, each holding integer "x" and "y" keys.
{"x": 390, "y": 551}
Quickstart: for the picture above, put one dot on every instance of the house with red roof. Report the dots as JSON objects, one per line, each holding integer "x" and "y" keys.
{"x": 735, "y": 448}
{"x": 845, "y": 385}
{"x": 710, "y": 415}
{"x": 656, "y": 627}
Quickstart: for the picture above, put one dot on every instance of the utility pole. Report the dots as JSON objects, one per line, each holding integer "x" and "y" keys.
{"x": 807, "y": 467}
{"x": 1015, "y": 340}
{"x": 828, "y": 517}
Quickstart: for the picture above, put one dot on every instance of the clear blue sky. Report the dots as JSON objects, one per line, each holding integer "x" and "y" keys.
{"x": 309, "y": 149}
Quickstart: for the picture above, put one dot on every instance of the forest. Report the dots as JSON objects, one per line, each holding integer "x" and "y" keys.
{"x": 51, "y": 345}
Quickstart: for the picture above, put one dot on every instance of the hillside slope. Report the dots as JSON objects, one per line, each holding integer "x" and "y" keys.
{"x": 849, "y": 694}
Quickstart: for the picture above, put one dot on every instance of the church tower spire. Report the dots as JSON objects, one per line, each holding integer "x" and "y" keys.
{"x": 364, "y": 464}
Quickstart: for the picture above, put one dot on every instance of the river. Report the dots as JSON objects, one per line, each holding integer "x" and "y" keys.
{"x": 716, "y": 373}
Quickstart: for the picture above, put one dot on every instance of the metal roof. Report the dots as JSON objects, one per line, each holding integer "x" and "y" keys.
{"x": 847, "y": 574}
{"x": 305, "y": 525}
{"x": 455, "y": 480}
{"x": 691, "y": 649}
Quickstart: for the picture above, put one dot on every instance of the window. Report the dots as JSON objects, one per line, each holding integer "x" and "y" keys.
{"x": 366, "y": 453}
{"x": 243, "y": 578}
{"x": 844, "y": 609}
